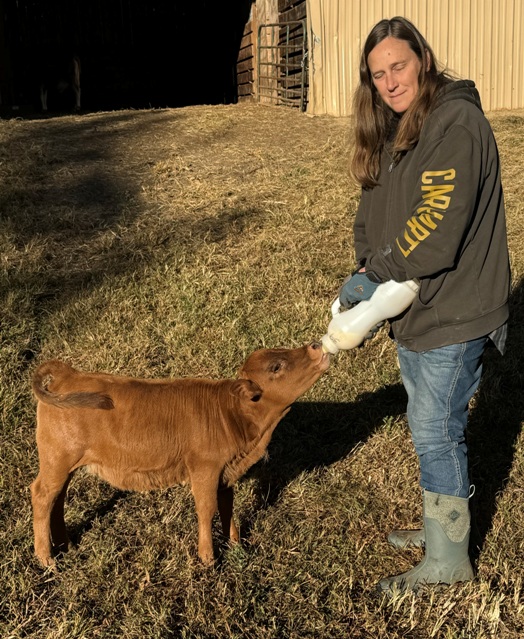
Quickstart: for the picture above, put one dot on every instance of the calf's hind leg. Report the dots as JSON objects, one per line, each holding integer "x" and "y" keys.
{"x": 225, "y": 510}
{"x": 48, "y": 493}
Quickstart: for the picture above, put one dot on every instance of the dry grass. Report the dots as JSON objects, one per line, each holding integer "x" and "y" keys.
{"x": 175, "y": 242}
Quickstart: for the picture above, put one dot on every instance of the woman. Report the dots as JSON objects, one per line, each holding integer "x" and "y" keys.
{"x": 431, "y": 209}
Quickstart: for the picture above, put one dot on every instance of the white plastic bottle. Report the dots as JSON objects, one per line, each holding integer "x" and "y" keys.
{"x": 349, "y": 328}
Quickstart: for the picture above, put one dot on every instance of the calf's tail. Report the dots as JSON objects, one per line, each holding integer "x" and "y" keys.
{"x": 56, "y": 370}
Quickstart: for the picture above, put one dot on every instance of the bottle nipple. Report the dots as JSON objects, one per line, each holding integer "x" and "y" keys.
{"x": 328, "y": 345}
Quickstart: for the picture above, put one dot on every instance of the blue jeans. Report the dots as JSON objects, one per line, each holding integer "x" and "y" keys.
{"x": 439, "y": 384}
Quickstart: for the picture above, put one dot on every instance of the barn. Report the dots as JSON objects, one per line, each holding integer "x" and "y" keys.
{"x": 297, "y": 53}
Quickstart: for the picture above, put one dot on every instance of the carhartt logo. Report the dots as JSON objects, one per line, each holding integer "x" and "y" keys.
{"x": 436, "y": 198}
{"x": 359, "y": 289}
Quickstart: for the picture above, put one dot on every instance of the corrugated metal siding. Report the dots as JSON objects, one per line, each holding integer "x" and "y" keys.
{"x": 476, "y": 39}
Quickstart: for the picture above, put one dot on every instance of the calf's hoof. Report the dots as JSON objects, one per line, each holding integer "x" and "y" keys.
{"x": 46, "y": 561}
{"x": 207, "y": 557}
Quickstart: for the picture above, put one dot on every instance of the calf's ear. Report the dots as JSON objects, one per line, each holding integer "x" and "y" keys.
{"x": 246, "y": 389}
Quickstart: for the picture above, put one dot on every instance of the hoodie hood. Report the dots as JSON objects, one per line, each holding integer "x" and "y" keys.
{"x": 460, "y": 90}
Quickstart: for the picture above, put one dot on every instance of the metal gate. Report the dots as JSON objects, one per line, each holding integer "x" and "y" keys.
{"x": 282, "y": 64}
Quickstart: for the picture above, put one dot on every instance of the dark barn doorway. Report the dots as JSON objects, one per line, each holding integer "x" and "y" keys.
{"x": 134, "y": 54}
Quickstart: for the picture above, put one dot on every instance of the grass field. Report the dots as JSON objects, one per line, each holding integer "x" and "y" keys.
{"x": 173, "y": 243}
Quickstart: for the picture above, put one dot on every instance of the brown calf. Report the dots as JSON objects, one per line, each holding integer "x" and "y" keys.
{"x": 144, "y": 434}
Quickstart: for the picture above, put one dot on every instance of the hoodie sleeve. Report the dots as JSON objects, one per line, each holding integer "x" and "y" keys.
{"x": 362, "y": 249}
{"x": 441, "y": 209}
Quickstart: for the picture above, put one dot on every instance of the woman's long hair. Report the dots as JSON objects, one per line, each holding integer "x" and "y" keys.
{"x": 374, "y": 120}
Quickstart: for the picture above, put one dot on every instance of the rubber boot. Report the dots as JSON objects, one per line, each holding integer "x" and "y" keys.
{"x": 446, "y": 560}
{"x": 407, "y": 538}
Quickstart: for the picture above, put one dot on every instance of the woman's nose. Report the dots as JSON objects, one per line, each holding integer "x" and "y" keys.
{"x": 391, "y": 82}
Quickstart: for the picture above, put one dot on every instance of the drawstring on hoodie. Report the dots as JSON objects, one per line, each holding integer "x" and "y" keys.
{"x": 392, "y": 164}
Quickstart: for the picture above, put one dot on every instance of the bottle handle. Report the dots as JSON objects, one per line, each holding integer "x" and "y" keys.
{"x": 335, "y": 307}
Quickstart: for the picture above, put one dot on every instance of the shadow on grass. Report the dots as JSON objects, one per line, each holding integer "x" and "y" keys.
{"x": 77, "y": 531}
{"x": 70, "y": 183}
{"x": 496, "y": 423}
{"x": 318, "y": 434}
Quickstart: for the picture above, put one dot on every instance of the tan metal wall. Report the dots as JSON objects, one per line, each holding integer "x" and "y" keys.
{"x": 477, "y": 39}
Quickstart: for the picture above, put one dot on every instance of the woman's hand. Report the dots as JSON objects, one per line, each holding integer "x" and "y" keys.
{"x": 358, "y": 287}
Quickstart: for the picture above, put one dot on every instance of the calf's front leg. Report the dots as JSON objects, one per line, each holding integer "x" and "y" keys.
{"x": 204, "y": 487}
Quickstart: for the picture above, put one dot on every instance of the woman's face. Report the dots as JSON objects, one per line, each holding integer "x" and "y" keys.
{"x": 395, "y": 69}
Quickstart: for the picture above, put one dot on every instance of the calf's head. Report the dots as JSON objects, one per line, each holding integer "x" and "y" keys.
{"x": 285, "y": 374}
